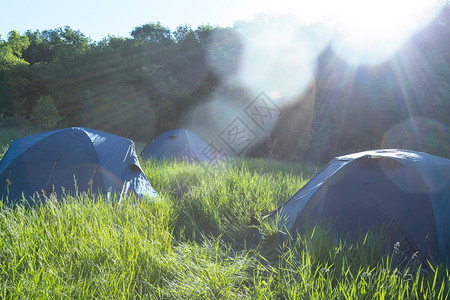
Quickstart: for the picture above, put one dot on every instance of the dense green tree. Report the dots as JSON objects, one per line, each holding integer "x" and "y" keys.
{"x": 10, "y": 62}
{"x": 152, "y": 33}
{"x": 11, "y": 50}
{"x": 40, "y": 49}
{"x": 46, "y": 45}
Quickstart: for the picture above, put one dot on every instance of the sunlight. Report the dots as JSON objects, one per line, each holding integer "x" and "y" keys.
{"x": 366, "y": 32}
{"x": 370, "y": 32}
{"x": 360, "y": 32}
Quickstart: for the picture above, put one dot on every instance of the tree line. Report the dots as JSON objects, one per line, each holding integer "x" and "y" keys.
{"x": 140, "y": 86}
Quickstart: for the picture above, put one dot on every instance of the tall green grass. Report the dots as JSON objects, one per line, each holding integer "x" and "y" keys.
{"x": 222, "y": 199}
{"x": 197, "y": 242}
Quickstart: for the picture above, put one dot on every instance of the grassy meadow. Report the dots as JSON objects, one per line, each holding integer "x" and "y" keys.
{"x": 197, "y": 242}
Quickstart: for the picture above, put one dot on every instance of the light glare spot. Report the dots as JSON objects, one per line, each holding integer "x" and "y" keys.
{"x": 278, "y": 64}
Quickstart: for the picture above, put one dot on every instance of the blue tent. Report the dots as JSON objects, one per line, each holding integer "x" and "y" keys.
{"x": 407, "y": 191}
{"x": 72, "y": 159}
{"x": 177, "y": 144}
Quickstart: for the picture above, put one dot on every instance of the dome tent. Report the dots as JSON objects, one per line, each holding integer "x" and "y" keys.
{"x": 177, "y": 144}
{"x": 407, "y": 191}
{"x": 60, "y": 159}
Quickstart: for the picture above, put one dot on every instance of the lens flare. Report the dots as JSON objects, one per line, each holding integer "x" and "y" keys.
{"x": 420, "y": 134}
{"x": 280, "y": 63}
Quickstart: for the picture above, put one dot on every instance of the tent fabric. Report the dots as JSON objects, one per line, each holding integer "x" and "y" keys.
{"x": 72, "y": 159}
{"x": 407, "y": 191}
{"x": 177, "y": 144}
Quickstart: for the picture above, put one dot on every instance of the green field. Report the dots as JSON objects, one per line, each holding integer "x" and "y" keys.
{"x": 197, "y": 242}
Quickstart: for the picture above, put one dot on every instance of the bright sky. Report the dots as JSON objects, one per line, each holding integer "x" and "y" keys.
{"x": 98, "y": 18}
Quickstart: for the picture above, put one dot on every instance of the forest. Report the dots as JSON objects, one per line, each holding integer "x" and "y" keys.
{"x": 158, "y": 79}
